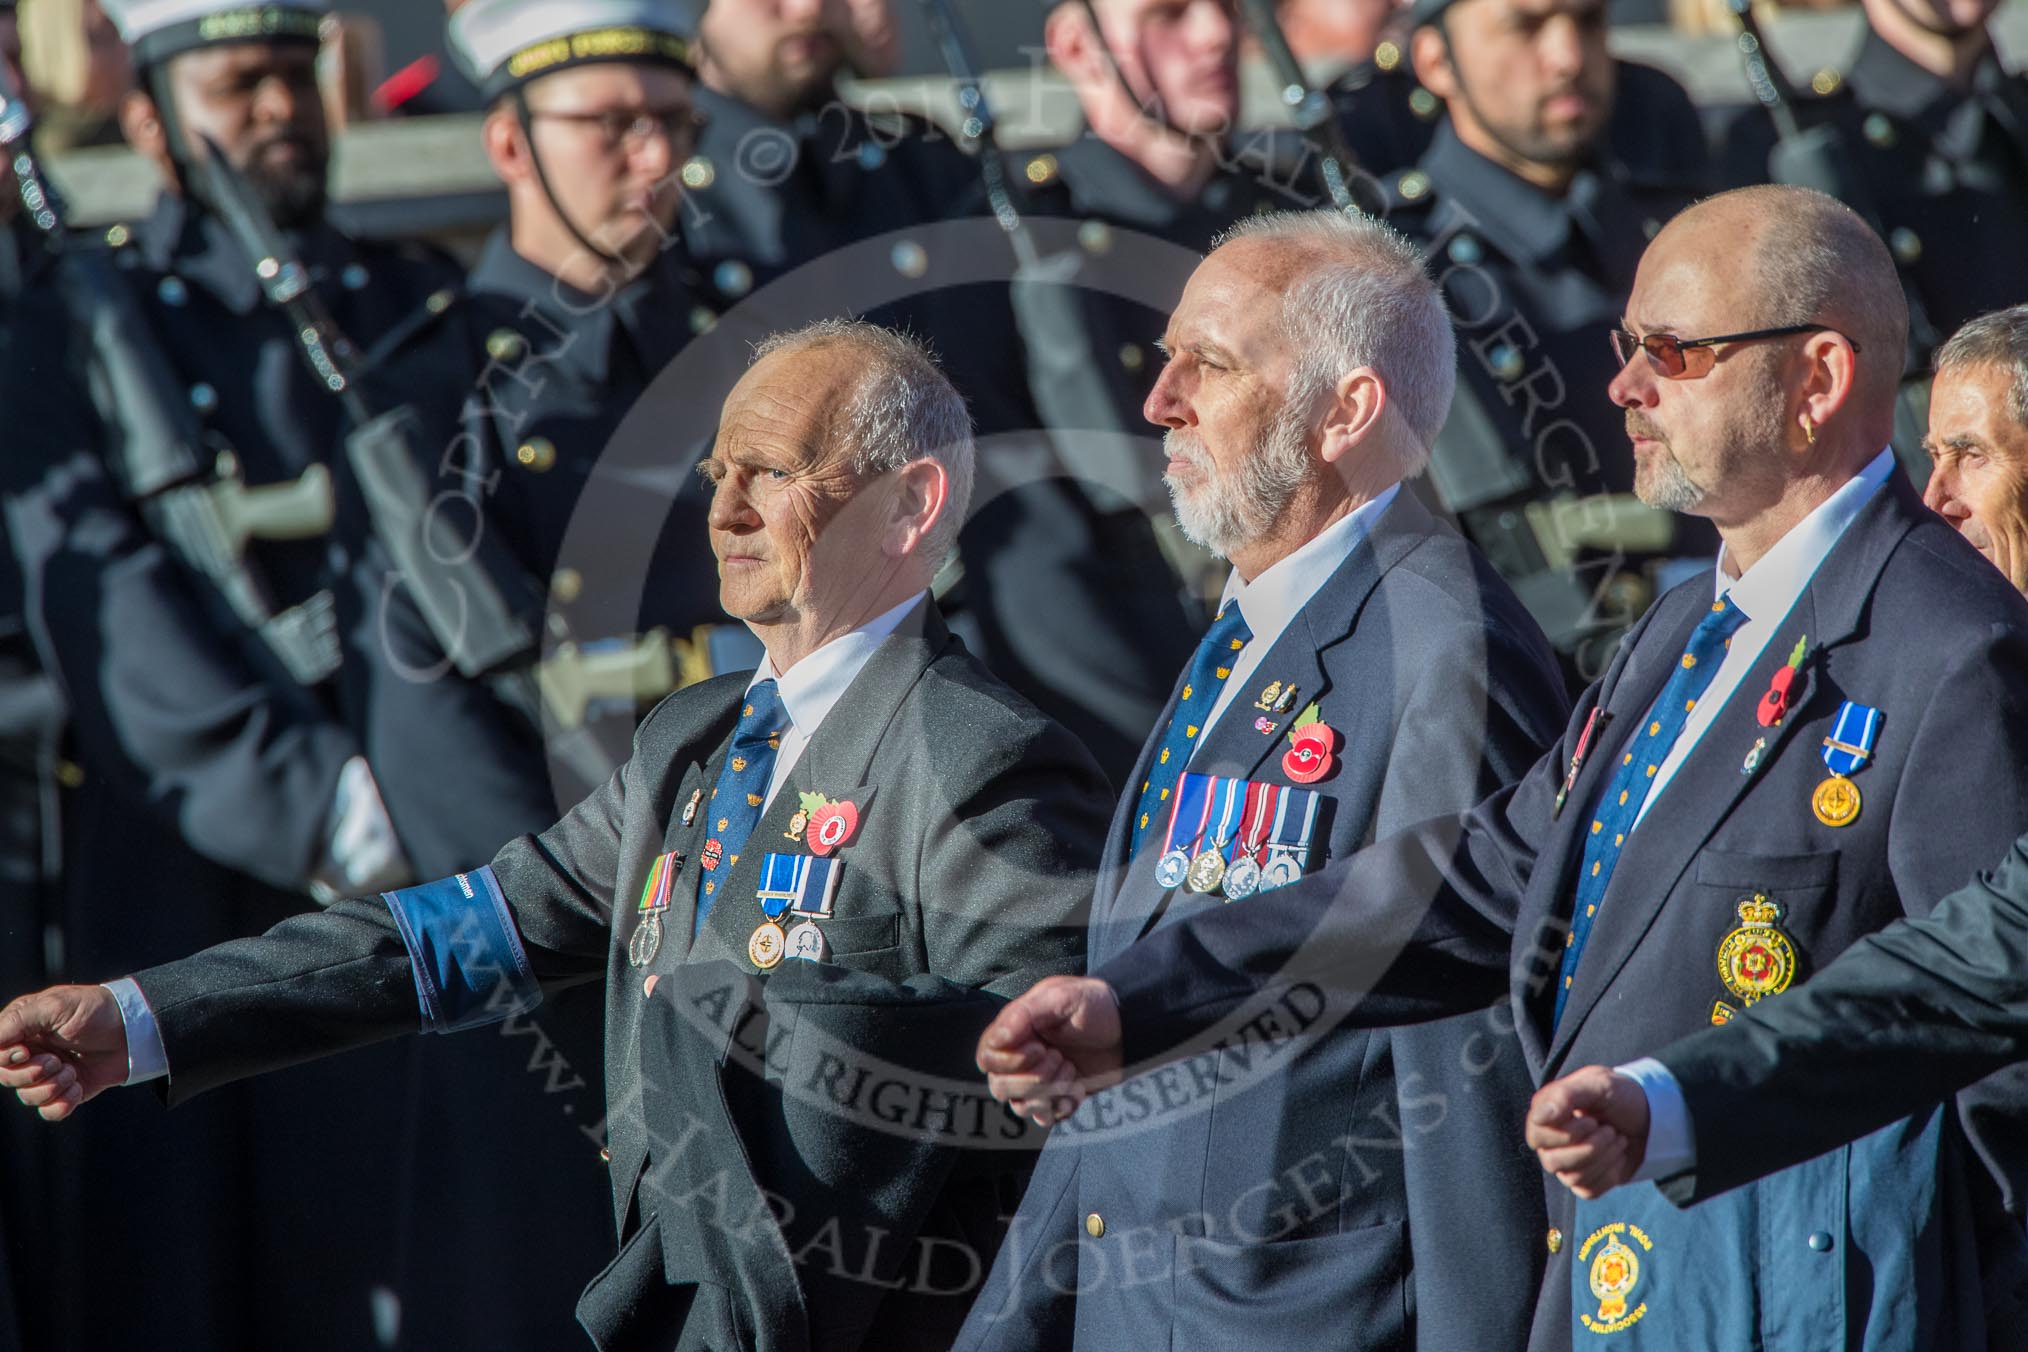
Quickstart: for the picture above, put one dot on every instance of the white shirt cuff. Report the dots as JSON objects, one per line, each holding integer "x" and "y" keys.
{"x": 1672, "y": 1147}
{"x": 147, "y": 1059}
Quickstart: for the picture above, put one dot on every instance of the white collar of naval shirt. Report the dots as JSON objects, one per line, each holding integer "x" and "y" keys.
{"x": 811, "y": 687}
{"x": 1769, "y": 590}
{"x": 1273, "y": 599}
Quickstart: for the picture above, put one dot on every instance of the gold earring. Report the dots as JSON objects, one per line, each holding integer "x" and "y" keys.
{"x": 1809, "y": 430}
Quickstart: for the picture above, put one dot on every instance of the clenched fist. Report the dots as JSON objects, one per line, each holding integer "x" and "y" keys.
{"x": 62, "y": 1047}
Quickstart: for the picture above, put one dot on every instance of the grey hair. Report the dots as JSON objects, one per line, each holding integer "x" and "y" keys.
{"x": 1366, "y": 300}
{"x": 1997, "y": 339}
{"x": 903, "y": 409}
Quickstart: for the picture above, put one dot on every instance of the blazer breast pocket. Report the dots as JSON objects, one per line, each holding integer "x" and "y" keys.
{"x": 1768, "y": 915}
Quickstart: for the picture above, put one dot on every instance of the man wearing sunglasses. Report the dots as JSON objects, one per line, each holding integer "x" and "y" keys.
{"x": 1753, "y": 787}
{"x": 1535, "y": 206}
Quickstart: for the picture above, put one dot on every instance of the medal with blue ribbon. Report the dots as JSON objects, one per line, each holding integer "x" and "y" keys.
{"x": 802, "y": 885}
{"x": 1288, "y": 844}
{"x": 1207, "y": 870}
{"x": 1187, "y": 819}
{"x": 1846, "y": 751}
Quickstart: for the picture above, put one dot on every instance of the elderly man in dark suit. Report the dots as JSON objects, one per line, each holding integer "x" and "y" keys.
{"x": 1785, "y": 726}
{"x": 1306, "y": 1186}
{"x": 870, "y": 801}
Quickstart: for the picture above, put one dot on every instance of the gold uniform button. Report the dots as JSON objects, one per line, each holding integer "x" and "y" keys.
{"x": 699, "y": 173}
{"x": 1131, "y": 356}
{"x": 1555, "y": 1238}
{"x": 1095, "y": 1225}
{"x": 1387, "y": 56}
{"x": 70, "y": 774}
{"x": 1424, "y": 104}
{"x": 118, "y": 236}
{"x": 1413, "y": 184}
{"x": 1826, "y": 81}
{"x": 1907, "y": 246}
{"x": 1042, "y": 170}
{"x": 566, "y": 586}
{"x": 505, "y": 345}
{"x": 537, "y": 453}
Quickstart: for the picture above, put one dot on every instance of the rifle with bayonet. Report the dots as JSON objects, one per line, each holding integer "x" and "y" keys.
{"x": 1311, "y": 112}
{"x": 1819, "y": 157}
{"x": 1046, "y": 296}
{"x": 161, "y": 455}
{"x": 482, "y": 607}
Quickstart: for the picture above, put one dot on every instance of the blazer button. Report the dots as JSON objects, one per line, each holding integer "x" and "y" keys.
{"x": 1555, "y": 1240}
{"x": 1820, "y": 1242}
{"x": 605, "y": 1155}
{"x": 1095, "y": 1225}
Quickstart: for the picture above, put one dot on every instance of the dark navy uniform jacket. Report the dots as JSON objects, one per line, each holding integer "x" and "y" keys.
{"x": 1946, "y": 169}
{"x": 1313, "y": 1186}
{"x": 1877, "y": 1245}
{"x": 1536, "y": 284}
{"x": 1071, "y": 604}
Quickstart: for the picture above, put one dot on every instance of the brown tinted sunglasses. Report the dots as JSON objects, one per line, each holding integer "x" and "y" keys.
{"x": 1692, "y": 358}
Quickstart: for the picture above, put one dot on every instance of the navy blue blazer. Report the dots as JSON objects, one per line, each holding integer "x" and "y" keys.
{"x": 1876, "y": 1244}
{"x": 1310, "y": 1186}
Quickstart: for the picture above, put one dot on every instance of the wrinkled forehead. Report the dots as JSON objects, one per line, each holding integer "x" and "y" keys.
{"x": 1235, "y": 299}
{"x": 791, "y": 404}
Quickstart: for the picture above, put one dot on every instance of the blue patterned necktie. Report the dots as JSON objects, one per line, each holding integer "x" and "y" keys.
{"x": 1621, "y": 805}
{"x": 1210, "y": 669}
{"x": 735, "y": 806}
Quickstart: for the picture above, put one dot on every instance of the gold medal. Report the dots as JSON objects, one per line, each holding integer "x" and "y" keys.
{"x": 1836, "y": 801}
{"x": 1207, "y": 871}
{"x": 1756, "y": 959}
{"x": 768, "y": 944}
{"x": 797, "y": 825}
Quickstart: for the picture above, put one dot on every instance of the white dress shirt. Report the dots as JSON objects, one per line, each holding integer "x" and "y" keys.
{"x": 1279, "y": 594}
{"x": 1765, "y": 594}
{"x": 815, "y": 684}
{"x": 808, "y": 692}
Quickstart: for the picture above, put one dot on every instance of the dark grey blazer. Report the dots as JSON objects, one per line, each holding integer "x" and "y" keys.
{"x": 1882, "y": 1244}
{"x": 979, "y": 824}
{"x": 1342, "y": 1200}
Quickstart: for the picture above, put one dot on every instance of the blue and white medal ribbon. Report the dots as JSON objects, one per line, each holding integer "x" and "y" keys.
{"x": 1287, "y": 857}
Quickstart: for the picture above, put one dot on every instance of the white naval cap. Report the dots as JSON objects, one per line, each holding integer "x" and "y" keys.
{"x": 504, "y": 44}
{"x": 159, "y": 29}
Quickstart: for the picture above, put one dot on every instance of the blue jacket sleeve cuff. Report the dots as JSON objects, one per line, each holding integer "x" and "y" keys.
{"x": 470, "y": 969}
{"x": 1672, "y": 1145}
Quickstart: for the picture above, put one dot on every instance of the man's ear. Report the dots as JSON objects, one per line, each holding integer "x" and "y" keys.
{"x": 1429, "y": 51}
{"x": 1072, "y": 46}
{"x": 507, "y": 148}
{"x": 141, "y": 124}
{"x": 922, "y": 490}
{"x": 1358, "y": 402}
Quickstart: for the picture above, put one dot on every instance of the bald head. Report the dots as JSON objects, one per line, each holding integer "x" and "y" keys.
{"x": 1810, "y": 259}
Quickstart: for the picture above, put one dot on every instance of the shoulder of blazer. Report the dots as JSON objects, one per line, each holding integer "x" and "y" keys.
{"x": 1937, "y": 575}
{"x": 694, "y": 719}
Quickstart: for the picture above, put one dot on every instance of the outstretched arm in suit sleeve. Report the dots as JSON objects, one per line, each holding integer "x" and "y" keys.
{"x": 1897, "y": 1021}
{"x": 1902, "y": 1018}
